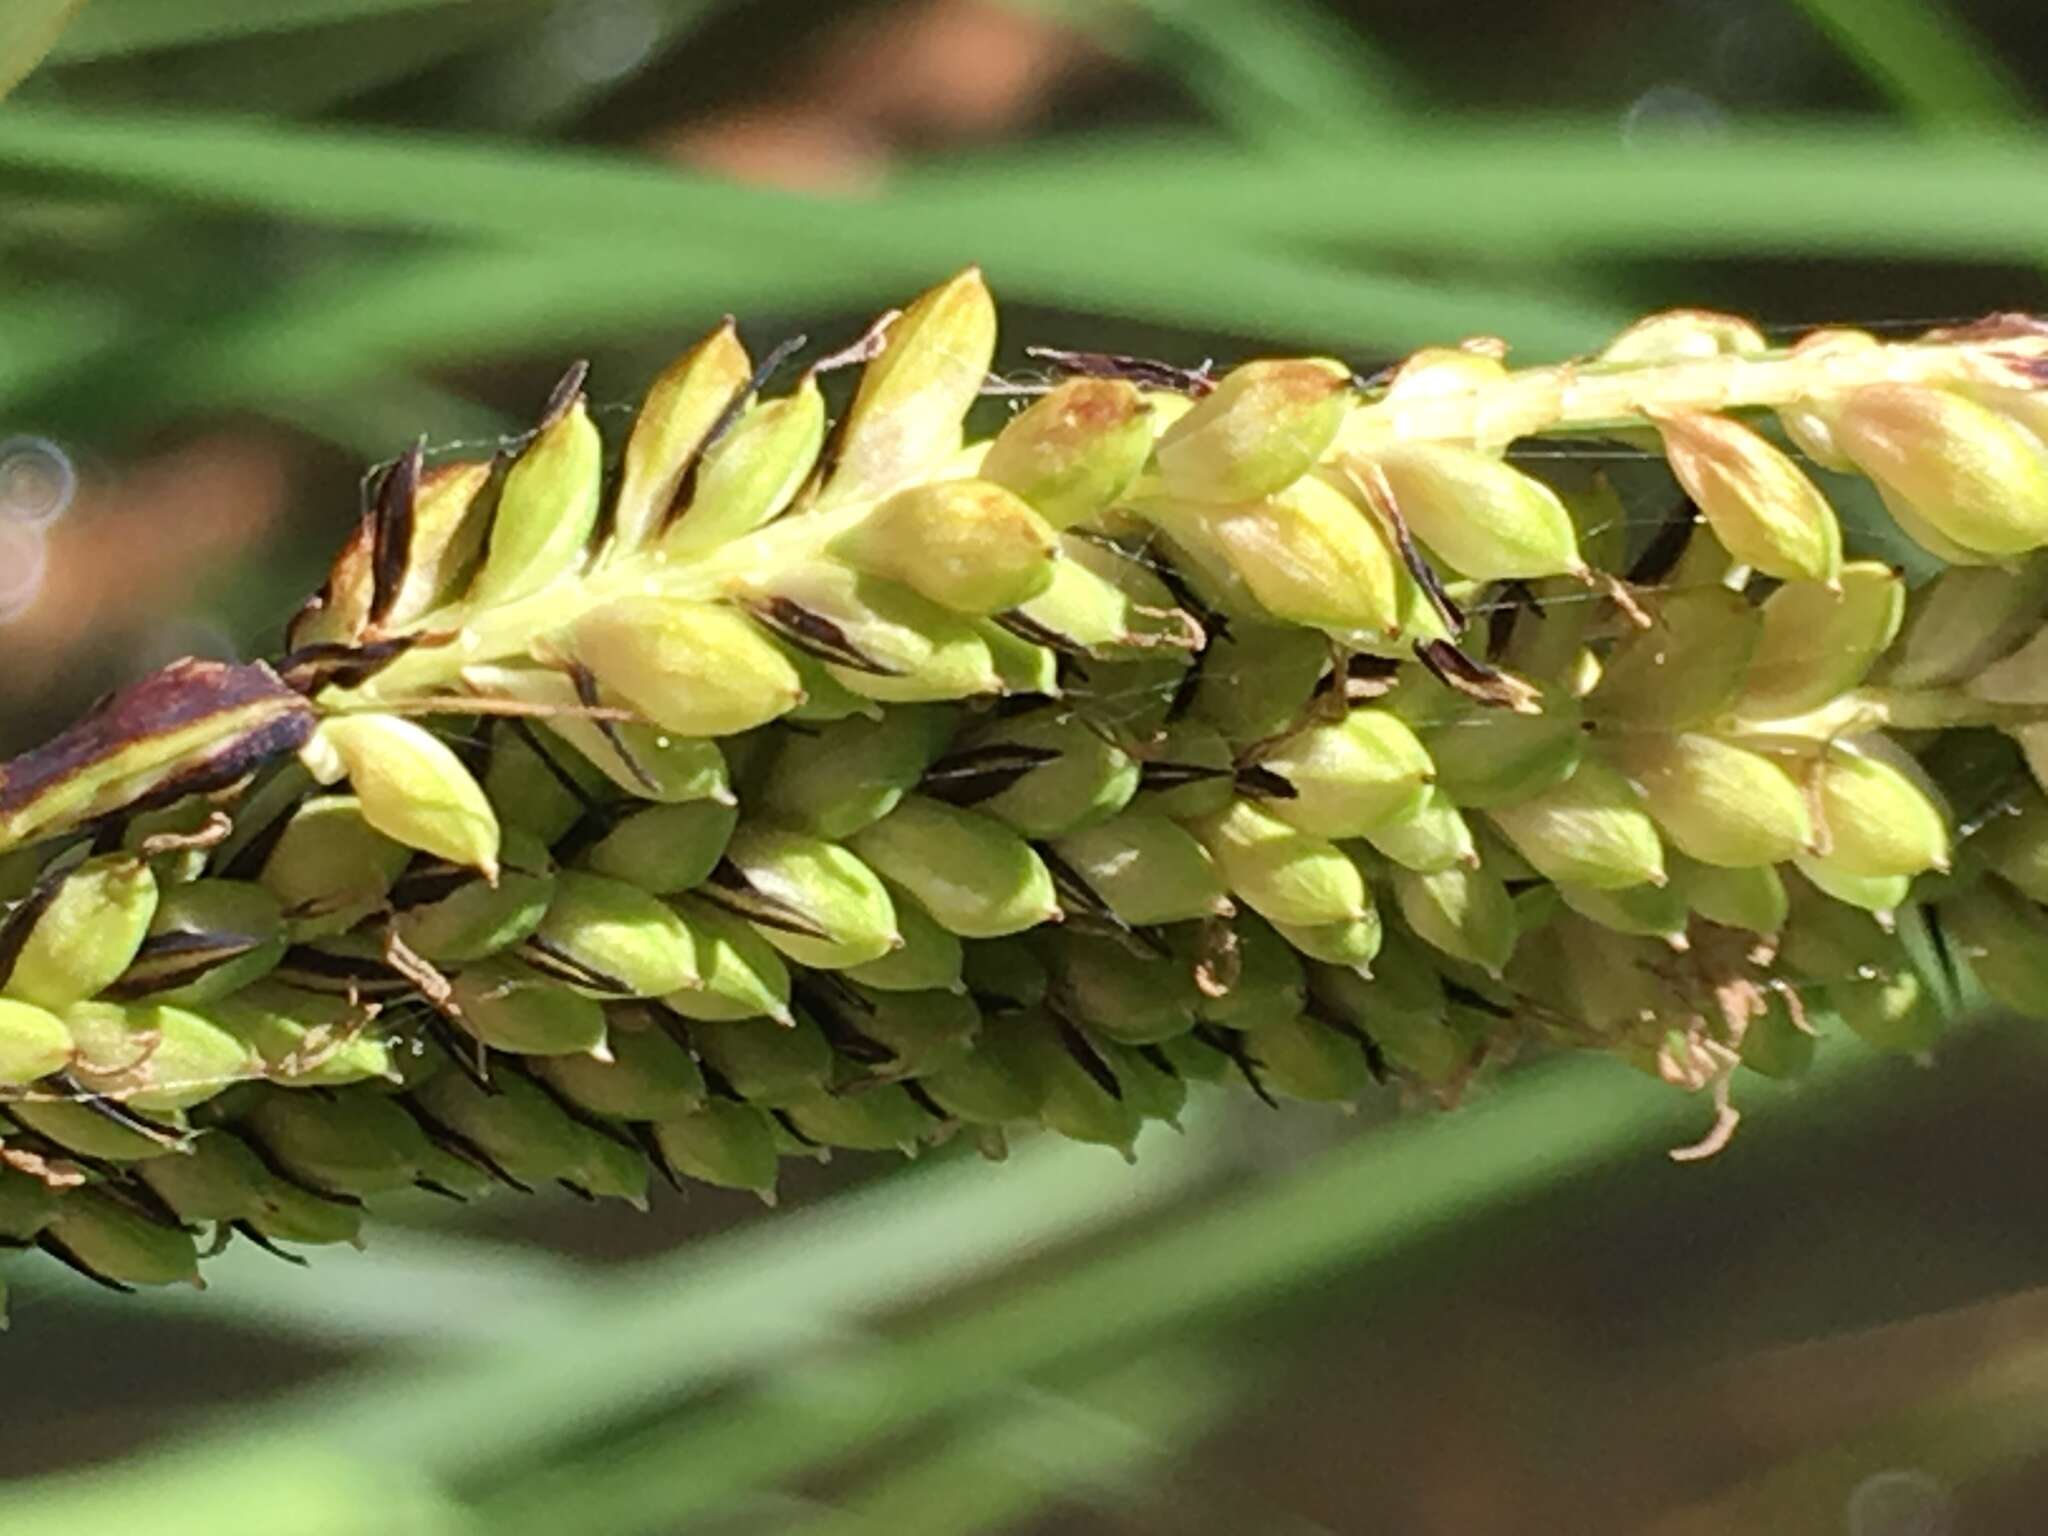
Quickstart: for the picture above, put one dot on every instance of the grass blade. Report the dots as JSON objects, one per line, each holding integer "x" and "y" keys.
{"x": 117, "y": 27}
{"x": 1561, "y": 188}
{"x": 29, "y": 30}
{"x": 1373, "y": 1197}
{"x": 1048, "y": 1448}
{"x": 1924, "y": 57}
{"x": 1281, "y": 72}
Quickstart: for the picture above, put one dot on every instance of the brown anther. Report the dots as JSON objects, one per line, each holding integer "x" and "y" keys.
{"x": 1220, "y": 960}
{"x": 1624, "y": 599}
{"x": 1726, "y": 1118}
{"x": 432, "y": 985}
{"x": 56, "y": 1172}
{"x": 209, "y": 834}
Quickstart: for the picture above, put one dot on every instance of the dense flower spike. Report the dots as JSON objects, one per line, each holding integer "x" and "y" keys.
{"x": 845, "y": 784}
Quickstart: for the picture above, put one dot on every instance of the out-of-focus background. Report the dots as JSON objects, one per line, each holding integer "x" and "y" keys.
{"x": 248, "y": 250}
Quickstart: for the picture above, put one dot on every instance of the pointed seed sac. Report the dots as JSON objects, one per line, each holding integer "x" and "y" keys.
{"x": 1760, "y": 504}
{"x": 967, "y": 545}
{"x": 974, "y": 875}
{"x": 411, "y": 787}
{"x": 698, "y": 669}
{"x": 1973, "y": 477}
{"x": 1262, "y": 428}
{"x": 1075, "y": 450}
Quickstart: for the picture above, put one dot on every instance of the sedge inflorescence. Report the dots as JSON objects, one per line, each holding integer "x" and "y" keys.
{"x": 783, "y": 783}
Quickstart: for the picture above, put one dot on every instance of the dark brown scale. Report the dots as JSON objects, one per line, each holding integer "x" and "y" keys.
{"x": 1086, "y": 1057}
{"x": 452, "y": 1141}
{"x": 650, "y": 1148}
{"x": 321, "y": 970}
{"x": 1077, "y": 897}
{"x": 1024, "y": 627}
{"x": 65, "y": 1086}
{"x": 1159, "y": 1059}
{"x": 145, "y": 1202}
{"x": 310, "y": 668}
{"x": 563, "y": 397}
{"x": 427, "y": 881}
{"x": 1479, "y": 1001}
{"x": 924, "y": 1100}
{"x": 1144, "y": 371}
{"x": 392, "y": 521}
{"x": 551, "y": 960}
{"x": 686, "y": 486}
{"x": 816, "y": 636}
{"x": 1661, "y": 555}
{"x": 976, "y": 774}
{"x": 865, "y": 348}
{"x": 18, "y": 924}
{"x": 249, "y": 1231}
{"x": 787, "y": 1121}
{"x": 729, "y": 889}
{"x": 55, "y": 1248}
{"x": 170, "y": 960}
{"x": 468, "y": 1054}
{"x": 829, "y": 990}
{"x": 1230, "y": 1044}
{"x": 1375, "y": 1058}
{"x": 248, "y": 860}
{"x": 1162, "y": 776}
{"x": 587, "y": 695}
{"x": 1262, "y": 783}
{"x": 1425, "y": 574}
{"x": 1467, "y": 674}
{"x": 1512, "y": 600}
{"x": 260, "y": 1150}
{"x": 610, "y": 1130}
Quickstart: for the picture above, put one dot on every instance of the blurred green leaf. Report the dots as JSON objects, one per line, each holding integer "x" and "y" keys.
{"x": 29, "y": 29}
{"x": 1288, "y": 59}
{"x": 332, "y": 332}
{"x": 116, "y": 27}
{"x": 664, "y": 1329}
{"x": 1276, "y": 72}
{"x": 1046, "y": 1448}
{"x": 1923, "y": 56}
{"x": 277, "y": 73}
{"x": 49, "y": 331}
{"x": 1542, "y": 187}
{"x": 436, "y": 1292}
{"x": 375, "y": 423}
{"x": 307, "y": 1490}
{"x": 1358, "y": 1207}
{"x": 1994, "y": 1422}
{"x": 1556, "y": 188}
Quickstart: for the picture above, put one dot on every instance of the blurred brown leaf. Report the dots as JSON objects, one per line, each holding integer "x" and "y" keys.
{"x": 133, "y": 548}
{"x": 939, "y": 71}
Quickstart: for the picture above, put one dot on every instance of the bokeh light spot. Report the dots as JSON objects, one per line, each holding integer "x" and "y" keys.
{"x": 1672, "y": 111}
{"x": 599, "y": 40}
{"x": 37, "y": 481}
{"x": 23, "y": 561}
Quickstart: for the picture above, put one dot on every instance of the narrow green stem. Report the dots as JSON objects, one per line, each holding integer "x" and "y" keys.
{"x": 1593, "y": 397}
{"x": 1899, "y": 709}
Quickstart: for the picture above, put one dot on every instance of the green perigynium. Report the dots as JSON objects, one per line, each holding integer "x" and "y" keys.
{"x": 841, "y": 783}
